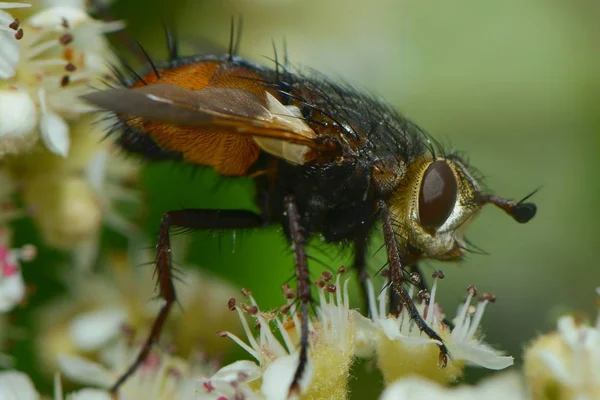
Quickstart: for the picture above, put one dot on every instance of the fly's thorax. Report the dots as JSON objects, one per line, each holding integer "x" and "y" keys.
{"x": 432, "y": 205}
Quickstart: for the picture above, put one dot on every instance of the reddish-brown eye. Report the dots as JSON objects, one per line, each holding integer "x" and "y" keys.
{"x": 437, "y": 195}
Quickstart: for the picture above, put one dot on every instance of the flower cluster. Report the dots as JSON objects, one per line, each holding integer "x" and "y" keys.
{"x": 402, "y": 349}
{"x": 50, "y": 54}
{"x": 48, "y": 60}
{"x": 566, "y": 364}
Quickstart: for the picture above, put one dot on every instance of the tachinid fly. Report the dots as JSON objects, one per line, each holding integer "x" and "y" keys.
{"x": 326, "y": 160}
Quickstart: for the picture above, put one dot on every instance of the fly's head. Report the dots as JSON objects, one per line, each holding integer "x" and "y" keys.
{"x": 434, "y": 202}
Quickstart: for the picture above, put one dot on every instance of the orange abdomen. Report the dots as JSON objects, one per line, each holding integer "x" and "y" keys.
{"x": 229, "y": 154}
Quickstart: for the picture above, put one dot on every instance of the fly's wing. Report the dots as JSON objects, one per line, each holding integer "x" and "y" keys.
{"x": 201, "y": 123}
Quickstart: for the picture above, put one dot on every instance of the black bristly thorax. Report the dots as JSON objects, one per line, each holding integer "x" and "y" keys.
{"x": 337, "y": 198}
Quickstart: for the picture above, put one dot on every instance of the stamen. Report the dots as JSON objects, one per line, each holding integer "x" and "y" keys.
{"x": 247, "y": 330}
{"x": 371, "y": 300}
{"x": 462, "y": 320}
{"x": 52, "y": 62}
{"x": 285, "y": 336}
{"x": 436, "y": 276}
{"x": 240, "y": 343}
{"x": 269, "y": 338}
{"x": 383, "y": 298}
{"x": 346, "y": 301}
{"x": 35, "y": 51}
{"x": 477, "y": 318}
{"x": 58, "y": 391}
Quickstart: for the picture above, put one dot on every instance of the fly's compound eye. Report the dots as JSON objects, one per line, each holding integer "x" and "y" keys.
{"x": 437, "y": 196}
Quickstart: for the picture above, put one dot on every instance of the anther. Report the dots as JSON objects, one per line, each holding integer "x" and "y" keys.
{"x": 472, "y": 290}
{"x": 319, "y": 283}
{"x": 439, "y": 274}
{"x": 70, "y": 67}
{"x": 423, "y": 295}
{"x": 14, "y": 25}
{"x": 415, "y": 277}
{"x": 246, "y": 292}
{"x": 330, "y": 288}
{"x": 252, "y": 310}
{"x": 488, "y": 297}
{"x": 222, "y": 333}
{"x": 342, "y": 270}
{"x": 66, "y": 39}
{"x": 285, "y": 309}
{"x": 289, "y": 293}
{"x": 65, "y": 80}
{"x": 19, "y": 34}
{"x": 231, "y": 304}
{"x": 326, "y": 275}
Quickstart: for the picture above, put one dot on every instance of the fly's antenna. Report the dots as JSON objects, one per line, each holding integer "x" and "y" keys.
{"x": 520, "y": 211}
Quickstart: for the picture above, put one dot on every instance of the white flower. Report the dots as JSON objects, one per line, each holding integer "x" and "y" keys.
{"x": 101, "y": 307}
{"x": 331, "y": 351}
{"x": 46, "y": 63}
{"x": 12, "y": 287}
{"x": 160, "y": 377}
{"x": 567, "y": 361}
{"x": 16, "y": 385}
{"x": 9, "y": 49}
{"x": 401, "y": 348}
{"x": 499, "y": 387}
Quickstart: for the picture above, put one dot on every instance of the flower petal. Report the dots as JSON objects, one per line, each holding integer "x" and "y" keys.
{"x": 366, "y": 335}
{"x": 12, "y": 291}
{"x": 9, "y": 49}
{"x": 86, "y": 372}
{"x": 54, "y": 132}
{"x": 231, "y": 373}
{"x": 91, "y": 330}
{"x": 278, "y": 377}
{"x": 414, "y": 388}
{"x": 17, "y": 386}
{"x": 18, "y": 115}
{"x": 390, "y": 328}
{"x": 6, "y": 5}
{"x": 54, "y": 17}
{"x": 230, "y": 380}
{"x": 90, "y": 394}
{"x": 481, "y": 355}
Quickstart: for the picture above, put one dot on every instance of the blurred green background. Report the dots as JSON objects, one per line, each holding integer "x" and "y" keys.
{"x": 513, "y": 83}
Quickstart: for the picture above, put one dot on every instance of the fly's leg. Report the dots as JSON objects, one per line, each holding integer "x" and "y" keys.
{"x": 194, "y": 219}
{"x": 303, "y": 286}
{"x": 397, "y": 280}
